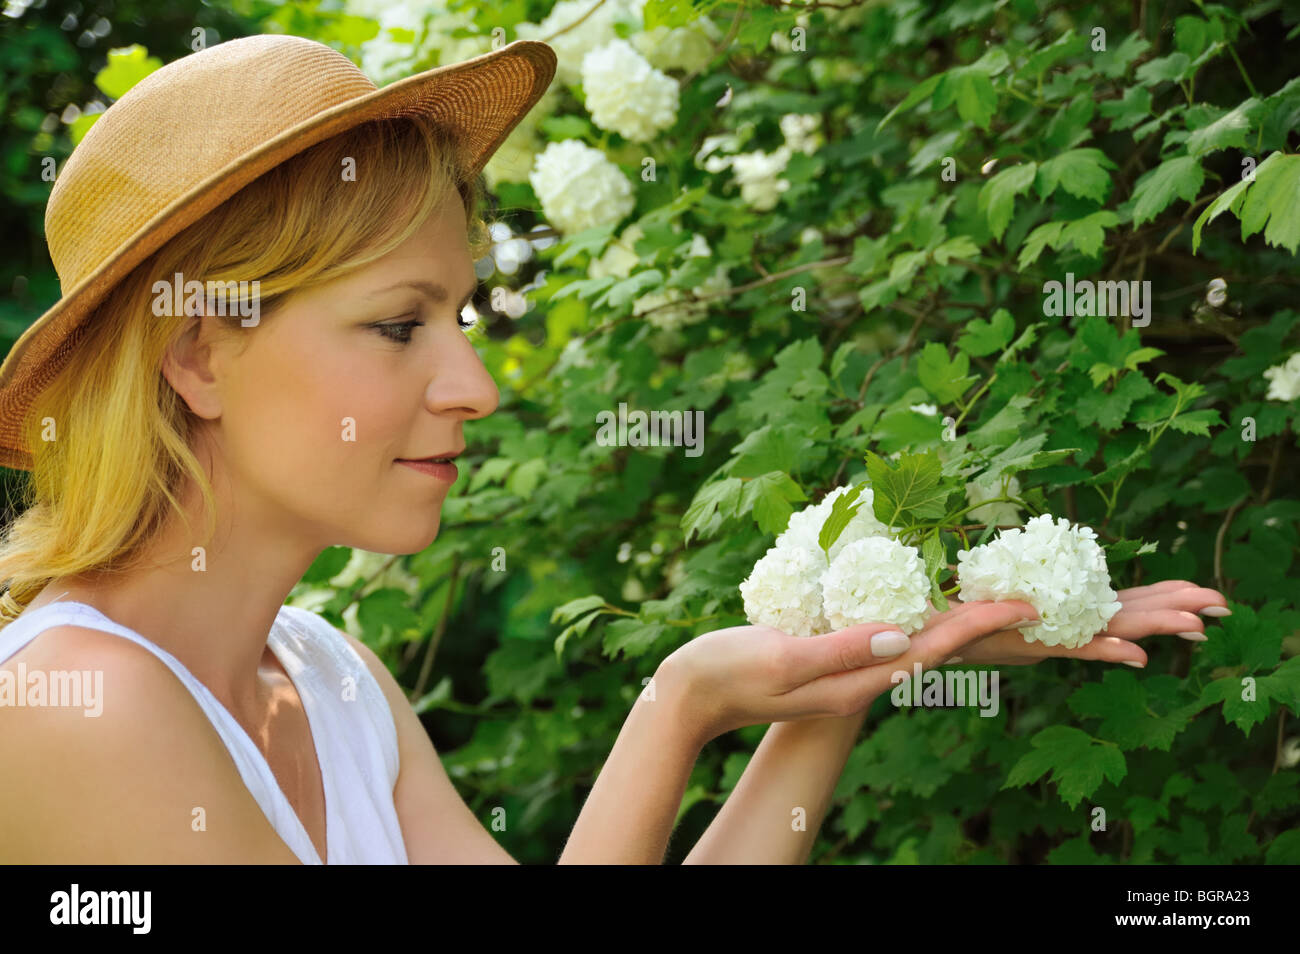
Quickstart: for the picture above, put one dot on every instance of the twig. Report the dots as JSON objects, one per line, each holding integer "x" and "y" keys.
{"x": 426, "y": 666}
{"x": 566, "y": 29}
{"x": 1218, "y": 544}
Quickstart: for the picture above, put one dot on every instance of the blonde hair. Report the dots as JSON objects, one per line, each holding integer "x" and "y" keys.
{"x": 98, "y": 495}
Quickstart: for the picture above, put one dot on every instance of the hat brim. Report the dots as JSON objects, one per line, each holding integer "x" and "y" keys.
{"x": 512, "y": 79}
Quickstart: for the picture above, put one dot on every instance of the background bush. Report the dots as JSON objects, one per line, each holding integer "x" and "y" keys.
{"x": 965, "y": 154}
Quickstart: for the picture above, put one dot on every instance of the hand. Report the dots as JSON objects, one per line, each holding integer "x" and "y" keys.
{"x": 1167, "y": 607}
{"x": 750, "y": 675}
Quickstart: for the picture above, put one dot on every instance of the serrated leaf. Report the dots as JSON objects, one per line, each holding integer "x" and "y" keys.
{"x": 984, "y": 337}
{"x": 712, "y": 504}
{"x": 942, "y": 376}
{"x": 1078, "y": 765}
{"x": 1080, "y": 172}
{"x": 914, "y": 486}
{"x": 1176, "y": 178}
{"x": 1230, "y": 129}
{"x": 997, "y": 197}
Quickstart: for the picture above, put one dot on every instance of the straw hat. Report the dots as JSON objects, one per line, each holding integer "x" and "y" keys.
{"x": 190, "y": 135}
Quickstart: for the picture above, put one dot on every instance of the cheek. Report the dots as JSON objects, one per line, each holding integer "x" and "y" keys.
{"x": 323, "y": 419}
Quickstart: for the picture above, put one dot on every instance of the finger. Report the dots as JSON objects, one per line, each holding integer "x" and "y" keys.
{"x": 807, "y": 658}
{"x": 1140, "y": 623}
{"x": 1109, "y": 649}
{"x": 1193, "y": 599}
{"x": 1164, "y": 586}
{"x": 943, "y": 637}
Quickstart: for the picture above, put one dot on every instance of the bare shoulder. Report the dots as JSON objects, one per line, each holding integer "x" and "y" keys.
{"x": 437, "y": 826}
{"x": 109, "y": 760}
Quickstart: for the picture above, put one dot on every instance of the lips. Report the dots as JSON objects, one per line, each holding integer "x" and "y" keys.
{"x": 433, "y": 459}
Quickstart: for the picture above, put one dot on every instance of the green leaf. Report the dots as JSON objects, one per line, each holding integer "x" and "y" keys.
{"x": 960, "y": 247}
{"x": 1275, "y": 199}
{"x": 1230, "y": 198}
{"x": 1166, "y": 69}
{"x": 126, "y": 66}
{"x": 942, "y": 376}
{"x": 1078, "y": 765}
{"x": 998, "y": 196}
{"x": 984, "y": 337}
{"x": 919, "y": 92}
{"x": 575, "y": 608}
{"x": 1284, "y": 849}
{"x": 1124, "y": 113}
{"x": 1049, "y": 233}
{"x": 914, "y": 487}
{"x": 1088, "y": 233}
{"x": 768, "y": 498}
{"x": 1230, "y": 129}
{"x": 632, "y": 637}
{"x": 712, "y": 504}
{"x": 843, "y": 510}
{"x": 973, "y": 92}
{"x": 1080, "y": 172}
{"x": 1176, "y": 178}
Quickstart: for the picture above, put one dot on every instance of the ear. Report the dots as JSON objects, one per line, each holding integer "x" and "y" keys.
{"x": 190, "y": 367}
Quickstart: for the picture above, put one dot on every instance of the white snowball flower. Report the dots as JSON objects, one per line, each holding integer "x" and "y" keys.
{"x": 876, "y": 579}
{"x": 784, "y": 591}
{"x": 579, "y": 188}
{"x": 800, "y": 131}
{"x": 625, "y": 94}
{"x": 688, "y": 48}
{"x": 1002, "y": 513}
{"x": 572, "y": 45}
{"x": 757, "y": 173}
{"x": 1057, "y": 568}
{"x": 1284, "y": 380}
{"x": 805, "y": 526}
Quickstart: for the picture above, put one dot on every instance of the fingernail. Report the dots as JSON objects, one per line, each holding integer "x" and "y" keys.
{"x": 1194, "y": 637}
{"x": 954, "y": 659}
{"x": 1134, "y": 663}
{"x": 1216, "y": 611}
{"x": 889, "y": 644}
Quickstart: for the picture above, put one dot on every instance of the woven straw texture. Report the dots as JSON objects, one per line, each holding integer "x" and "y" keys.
{"x": 191, "y": 134}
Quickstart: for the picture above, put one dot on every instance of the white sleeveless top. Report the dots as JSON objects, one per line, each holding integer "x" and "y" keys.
{"x": 351, "y": 725}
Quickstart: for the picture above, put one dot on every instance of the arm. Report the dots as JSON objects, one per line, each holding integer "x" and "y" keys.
{"x": 796, "y": 766}
{"x": 629, "y": 815}
{"x": 626, "y": 819}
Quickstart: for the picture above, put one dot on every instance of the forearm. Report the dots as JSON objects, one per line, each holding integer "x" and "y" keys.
{"x": 773, "y": 815}
{"x": 629, "y": 815}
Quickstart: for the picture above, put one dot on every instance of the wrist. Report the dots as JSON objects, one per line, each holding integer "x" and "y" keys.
{"x": 671, "y": 698}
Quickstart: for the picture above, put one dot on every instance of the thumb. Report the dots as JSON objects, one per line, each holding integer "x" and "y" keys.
{"x": 851, "y": 648}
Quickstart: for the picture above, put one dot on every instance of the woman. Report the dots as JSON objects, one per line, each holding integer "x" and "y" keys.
{"x": 287, "y": 415}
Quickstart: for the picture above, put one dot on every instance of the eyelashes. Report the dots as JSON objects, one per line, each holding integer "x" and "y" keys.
{"x": 400, "y": 331}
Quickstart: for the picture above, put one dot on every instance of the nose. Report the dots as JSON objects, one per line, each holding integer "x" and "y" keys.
{"x": 460, "y": 383}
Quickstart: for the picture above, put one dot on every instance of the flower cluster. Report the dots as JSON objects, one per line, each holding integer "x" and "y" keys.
{"x": 579, "y": 188}
{"x": 1055, "y": 567}
{"x": 1284, "y": 380}
{"x": 799, "y": 589}
{"x": 625, "y": 94}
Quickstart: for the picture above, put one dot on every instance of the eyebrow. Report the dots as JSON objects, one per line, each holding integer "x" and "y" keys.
{"x": 433, "y": 290}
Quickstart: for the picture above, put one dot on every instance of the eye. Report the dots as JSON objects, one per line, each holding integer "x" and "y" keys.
{"x": 399, "y": 331}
